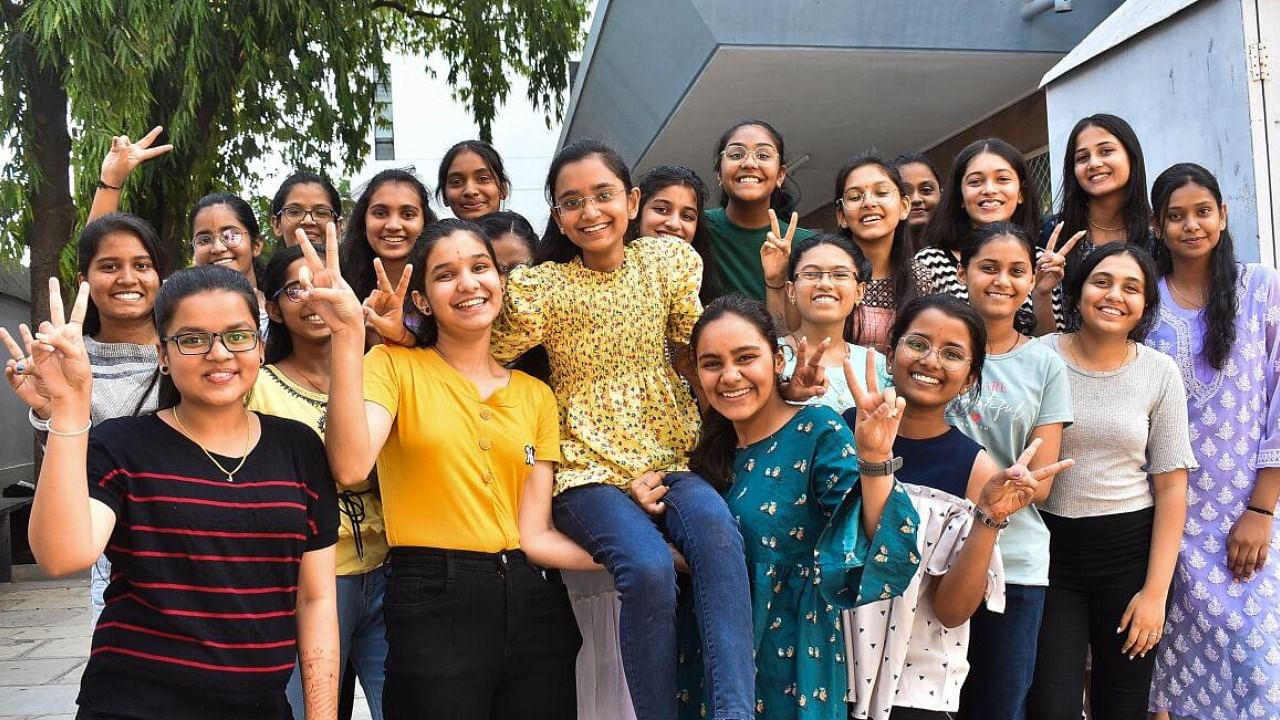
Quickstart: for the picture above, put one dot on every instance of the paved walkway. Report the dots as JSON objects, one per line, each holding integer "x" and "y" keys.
{"x": 44, "y": 641}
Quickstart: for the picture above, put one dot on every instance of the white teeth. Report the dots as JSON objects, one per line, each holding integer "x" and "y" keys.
{"x": 749, "y": 180}
{"x": 872, "y": 218}
{"x": 128, "y": 296}
{"x": 825, "y": 299}
{"x": 1110, "y": 311}
{"x": 735, "y": 393}
{"x": 224, "y": 261}
{"x": 595, "y": 228}
{"x": 990, "y": 203}
{"x": 393, "y": 239}
{"x": 221, "y": 376}
{"x": 925, "y": 379}
{"x": 473, "y": 302}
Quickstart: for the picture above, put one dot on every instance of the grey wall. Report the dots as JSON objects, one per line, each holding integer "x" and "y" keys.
{"x": 15, "y": 433}
{"x": 1183, "y": 85}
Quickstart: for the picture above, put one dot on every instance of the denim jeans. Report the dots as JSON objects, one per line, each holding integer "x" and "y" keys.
{"x": 633, "y": 548}
{"x": 362, "y": 637}
{"x": 1002, "y": 656}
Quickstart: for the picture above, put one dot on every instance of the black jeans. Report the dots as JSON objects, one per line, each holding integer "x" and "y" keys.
{"x": 477, "y": 636}
{"x": 1096, "y": 566}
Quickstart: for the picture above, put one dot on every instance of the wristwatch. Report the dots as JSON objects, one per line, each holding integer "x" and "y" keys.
{"x": 879, "y": 469}
{"x": 989, "y": 521}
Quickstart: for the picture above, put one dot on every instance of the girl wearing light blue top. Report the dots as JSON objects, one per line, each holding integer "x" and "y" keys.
{"x": 826, "y": 281}
{"x": 1025, "y": 396}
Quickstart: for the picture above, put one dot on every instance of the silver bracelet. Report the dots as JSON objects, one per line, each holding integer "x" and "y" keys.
{"x": 36, "y": 422}
{"x": 73, "y": 433}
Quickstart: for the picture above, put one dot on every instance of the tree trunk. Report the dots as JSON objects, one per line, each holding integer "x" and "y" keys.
{"x": 53, "y": 216}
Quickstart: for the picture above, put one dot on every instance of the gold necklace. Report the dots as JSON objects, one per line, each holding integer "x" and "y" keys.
{"x": 1174, "y": 289}
{"x": 1104, "y": 228}
{"x": 314, "y": 385}
{"x": 248, "y": 435}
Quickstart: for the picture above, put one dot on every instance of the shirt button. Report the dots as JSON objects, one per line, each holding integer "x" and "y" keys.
{"x": 485, "y": 443}
{"x": 485, "y": 413}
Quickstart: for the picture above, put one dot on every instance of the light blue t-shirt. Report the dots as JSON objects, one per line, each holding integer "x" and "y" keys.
{"x": 1021, "y": 390}
{"x": 838, "y": 396}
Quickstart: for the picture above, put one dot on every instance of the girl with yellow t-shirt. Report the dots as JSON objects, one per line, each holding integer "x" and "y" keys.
{"x": 474, "y": 630}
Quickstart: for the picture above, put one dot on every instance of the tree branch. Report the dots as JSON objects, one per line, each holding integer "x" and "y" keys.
{"x": 410, "y": 12}
{"x": 11, "y": 12}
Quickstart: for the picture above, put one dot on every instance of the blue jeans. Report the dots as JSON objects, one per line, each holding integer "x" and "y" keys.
{"x": 1002, "y": 656}
{"x": 633, "y": 548}
{"x": 362, "y": 637}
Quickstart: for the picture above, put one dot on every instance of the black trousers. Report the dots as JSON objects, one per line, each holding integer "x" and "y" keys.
{"x": 477, "y": 636}
{"x": 1096, "y": 566}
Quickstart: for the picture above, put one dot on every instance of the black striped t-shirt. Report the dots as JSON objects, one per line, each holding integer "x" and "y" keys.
{"x": 199, "y": 619}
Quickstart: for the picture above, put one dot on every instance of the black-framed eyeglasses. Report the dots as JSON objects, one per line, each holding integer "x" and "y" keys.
{"x": 918, "y": 347}
{"x": 319, "y": 215}
{"x": 200, "y": 343}
{"x": 294, "y": 291}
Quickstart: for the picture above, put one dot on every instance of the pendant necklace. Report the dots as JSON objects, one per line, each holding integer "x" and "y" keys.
{"x": 248, "y": 434}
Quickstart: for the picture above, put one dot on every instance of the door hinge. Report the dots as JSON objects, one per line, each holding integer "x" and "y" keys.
{"x": 1259, "y": 62}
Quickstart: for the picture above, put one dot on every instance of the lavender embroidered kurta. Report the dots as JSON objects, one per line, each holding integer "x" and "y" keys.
{"x": 1220, "y": 656}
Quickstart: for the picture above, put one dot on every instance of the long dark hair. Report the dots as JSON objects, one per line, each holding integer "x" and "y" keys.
{"x": 662, "y": 177}
{"x": 918, "y": 158}
{"x": 1150, "y": 292}
{"x": 953, "y": 307}
{"x": 244, "y": 215}
{"x": 782, "y": 200}
{"x": 303, "y": 177}
{"x": 861, "y": 265}
{"x": 1136, "y": 212}
{"x": 272, "y": 282}
{"x": 901, "y": 253}
{"x": 555, "y": 245}
{"x": 950, "y": 224}
{"x": 182, "y": 285}
{"x": 487, "y": 153}
{"x": 92, "y": 236}
{"x": 507, "y": 222}
{"x": 993, "y": 231}
{"x": 424, "y": 328}
{"x": 712, "y": 456}
{"x": 1221, "y": 305}
{"x": 355, "y": 252}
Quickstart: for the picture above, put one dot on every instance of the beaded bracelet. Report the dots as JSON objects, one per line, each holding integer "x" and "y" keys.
{"x": 36, "y": 422}
{"x": 73, "y": 433}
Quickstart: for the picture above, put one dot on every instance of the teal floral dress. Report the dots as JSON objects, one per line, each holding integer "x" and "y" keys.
{"x": 786, "y": 490}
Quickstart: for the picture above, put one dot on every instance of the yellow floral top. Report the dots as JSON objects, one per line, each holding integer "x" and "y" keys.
{"x": 623, "y": 409}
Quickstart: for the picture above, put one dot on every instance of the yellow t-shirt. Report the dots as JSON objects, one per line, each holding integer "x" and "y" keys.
{"x": 453, "y": 467}
{"x": 275, "y": 394}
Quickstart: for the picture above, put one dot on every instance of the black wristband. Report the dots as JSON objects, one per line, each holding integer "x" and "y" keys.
{"x": 775, "y": 287}
{"x": 1260, "y": 511}
{"x": 105, "y": 186}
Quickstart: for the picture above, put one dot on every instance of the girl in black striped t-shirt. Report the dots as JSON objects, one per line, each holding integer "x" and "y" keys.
{"x": 219, "y": 523}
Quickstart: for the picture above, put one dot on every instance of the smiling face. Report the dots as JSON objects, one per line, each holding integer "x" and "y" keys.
{"x": 211, "y": 230}
{"x": 672, "y": 211}
{"x": 991, "y": 189}
{"x": 511, "y": 252}
{"x": 463, "y": 290}
{"x": 1101, "y": 163}
{"x": 600, "y": 224}
{"x": 737, "y": 368}
{"x": 308, "y": 196}
{"x": 299, "y": 318}
{"x": 1113, "y": 298}
{"x": 751, "y": 180}
{"x": 394, "y": 220}
{"x": 471, "y": 188}
{"x": 999, "y": 278}
{"x": 819, "y": 296}
{"x": 219, "y": 377}
{"x": 923, "y": 192}
{"x": 122, "y": 278}
{"x": 871, "y": 205}
{"x": 1192, "y": 225}
{"x": 932, "y": 378}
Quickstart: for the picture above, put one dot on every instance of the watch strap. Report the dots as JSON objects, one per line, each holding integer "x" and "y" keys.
{"x": 879, "y": 469}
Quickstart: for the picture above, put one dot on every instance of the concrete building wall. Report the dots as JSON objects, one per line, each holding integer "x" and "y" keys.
{"x": 1184, "y": 87}
{"x": 16, "y": 438}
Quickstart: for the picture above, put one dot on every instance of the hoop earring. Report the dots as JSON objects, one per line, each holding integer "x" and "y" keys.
{"x": 164, "y": 369}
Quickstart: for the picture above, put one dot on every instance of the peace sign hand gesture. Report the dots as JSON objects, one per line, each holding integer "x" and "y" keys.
{"x": 1052, "y": 266}
{"x": 879, "y": 413}
{"x": 55, "y": 369}
{"x": 384, "y": 308}
{"x": 809, "y": 380}
{"x": 326, "y": 292}
{"x": 124, "y": 156}
{"x": 1011, "y": 489}
{"x": 776, "y": 250}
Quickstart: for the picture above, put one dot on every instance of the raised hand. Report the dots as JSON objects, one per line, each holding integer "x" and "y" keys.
{"x": 326, "y": 292}
{"x": 1011, "y": 489}
{"x": 124, "y": 156}
{"x": 26, "y": 387}
{"x": 809, "y": 380}
{"x": 56, "y": 366}
{"x": 1051, "y": 266}
{"x": 879, "y": 413}
{"x": 776, "y": 250}
{"x": 384, "y": 308}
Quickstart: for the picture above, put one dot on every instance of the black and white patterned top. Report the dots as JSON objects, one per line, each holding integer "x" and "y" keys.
{"x": 940, "y": 268}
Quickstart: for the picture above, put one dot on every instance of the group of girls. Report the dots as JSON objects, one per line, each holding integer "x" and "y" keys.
{"x": 856, "y": 446}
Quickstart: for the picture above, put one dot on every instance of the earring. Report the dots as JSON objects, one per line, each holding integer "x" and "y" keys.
{"x": 164, "y": 369}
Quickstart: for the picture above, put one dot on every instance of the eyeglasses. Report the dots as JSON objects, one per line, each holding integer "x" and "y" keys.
{"x": 836, "y": 276}
{"x": 293, "y": 291}
{"x": 883, "y": 194}
{"x": 320, "y": 215}
{"x": 918, "y": 347}
{"x": 578, "y": 204}
{"x": 230, "y": 238}
{"x": 200, "y": 343}
{"x": 763, "y": 154}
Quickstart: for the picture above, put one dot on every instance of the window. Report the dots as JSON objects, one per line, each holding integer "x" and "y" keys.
{"x": 1042, "y": 176}
{"x": 384, "y": 139}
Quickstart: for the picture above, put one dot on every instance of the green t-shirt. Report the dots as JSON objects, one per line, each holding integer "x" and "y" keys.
{"x": 738, "y": 253}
